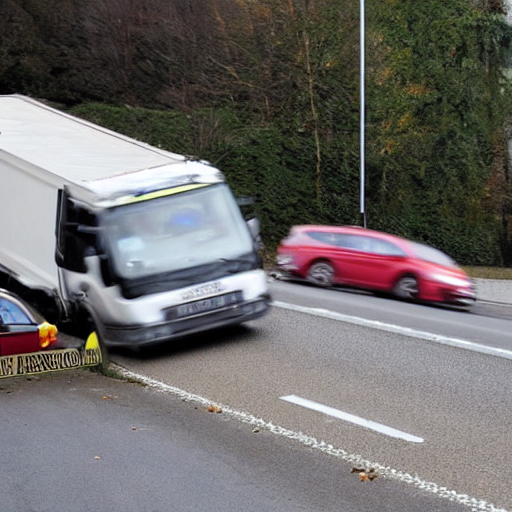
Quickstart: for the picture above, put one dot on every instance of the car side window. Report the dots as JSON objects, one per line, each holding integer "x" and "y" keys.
{"x": 354, "y": 242}
{"x": 12, "y": 314}
{"x": 325, "y": 238}
{"x": 385, "y": 248}
{"x": 369, "y": 244}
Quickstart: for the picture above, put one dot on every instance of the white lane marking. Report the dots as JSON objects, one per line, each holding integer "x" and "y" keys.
{"x": 351, "y": 418}
{"x": 384, "y": 471}
{"x": 397, "y": 329}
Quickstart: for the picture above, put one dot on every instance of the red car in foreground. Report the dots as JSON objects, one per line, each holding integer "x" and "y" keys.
{"x": 22, "y": 329}
{"x": 372, "y": 260}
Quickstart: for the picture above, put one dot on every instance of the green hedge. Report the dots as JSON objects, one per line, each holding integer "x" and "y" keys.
{"x": 279, "y": 172}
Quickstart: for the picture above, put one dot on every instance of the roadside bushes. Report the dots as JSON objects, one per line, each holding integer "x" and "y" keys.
{"x": 278, "y": 170}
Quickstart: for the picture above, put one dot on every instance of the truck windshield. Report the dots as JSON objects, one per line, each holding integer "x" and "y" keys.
{"x": 175, "y": 232}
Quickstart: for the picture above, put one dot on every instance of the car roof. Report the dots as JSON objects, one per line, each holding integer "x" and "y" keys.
{"x": 9, "y": 294}
{"x": 349, "y": 230}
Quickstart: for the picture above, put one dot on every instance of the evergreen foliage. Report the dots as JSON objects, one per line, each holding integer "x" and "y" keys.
{"x": 438, "y": 110}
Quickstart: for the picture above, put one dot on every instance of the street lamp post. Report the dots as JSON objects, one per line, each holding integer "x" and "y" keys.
{"x": 362, "y": 112}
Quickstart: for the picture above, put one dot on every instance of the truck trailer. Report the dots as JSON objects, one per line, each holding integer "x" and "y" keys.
{"x": 101, "y": 230}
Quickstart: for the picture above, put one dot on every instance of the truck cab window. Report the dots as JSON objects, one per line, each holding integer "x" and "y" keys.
{"x": 76, "y": 237}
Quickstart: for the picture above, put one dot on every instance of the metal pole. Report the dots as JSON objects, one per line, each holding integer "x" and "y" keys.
{"x": 362, "y": 111}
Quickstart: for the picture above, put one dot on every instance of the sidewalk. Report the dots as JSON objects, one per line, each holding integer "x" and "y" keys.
{"x": 494, "y": 290}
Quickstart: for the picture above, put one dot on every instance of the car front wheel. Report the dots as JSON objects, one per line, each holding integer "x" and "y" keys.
{"x": 321, "y": 273}
{"x": 406, "y": 288}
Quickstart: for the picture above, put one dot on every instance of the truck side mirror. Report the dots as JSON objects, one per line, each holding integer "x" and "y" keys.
{"x": 254, "y": 227}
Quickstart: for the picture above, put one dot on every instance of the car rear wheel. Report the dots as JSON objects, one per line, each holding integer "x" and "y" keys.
{"x": 406, "y": 288}
{"x": 321, "y": 273}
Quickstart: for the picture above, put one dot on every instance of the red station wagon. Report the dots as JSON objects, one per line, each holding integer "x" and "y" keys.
{"x": 22, "y": 329}
{"x": 372, "y": 260}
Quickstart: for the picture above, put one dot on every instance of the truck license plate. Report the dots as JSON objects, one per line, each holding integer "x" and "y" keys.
{"x": 204, "y": 305}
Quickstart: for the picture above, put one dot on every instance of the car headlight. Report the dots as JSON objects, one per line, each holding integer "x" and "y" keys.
{"x": 451, "y": 280}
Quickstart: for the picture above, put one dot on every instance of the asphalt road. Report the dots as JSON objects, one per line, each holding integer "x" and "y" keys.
{"x": 78, "y": 441}
{"x": 456, "y": 401}
{"x": 486, "y": 323}
{"x": 431, "y": 419}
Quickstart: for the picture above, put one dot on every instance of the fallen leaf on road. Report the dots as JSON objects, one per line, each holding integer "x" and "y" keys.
{"x": 365, "y": 475}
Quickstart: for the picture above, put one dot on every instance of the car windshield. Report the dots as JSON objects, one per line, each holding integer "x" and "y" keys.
{"x": 175, "y": 232}
{"x": 427, "y": 253}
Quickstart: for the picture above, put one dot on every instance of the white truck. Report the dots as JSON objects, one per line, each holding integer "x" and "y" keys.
{"x": 95, "y": 226}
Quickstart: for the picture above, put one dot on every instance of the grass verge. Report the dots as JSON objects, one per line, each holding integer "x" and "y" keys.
{"x": 489, "y": 272}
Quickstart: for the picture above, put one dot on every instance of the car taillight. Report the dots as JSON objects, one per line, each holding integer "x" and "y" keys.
{"x": 47, "y": 334}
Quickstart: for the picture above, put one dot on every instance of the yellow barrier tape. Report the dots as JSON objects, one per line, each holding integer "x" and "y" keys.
{"x": 49, "y": 360}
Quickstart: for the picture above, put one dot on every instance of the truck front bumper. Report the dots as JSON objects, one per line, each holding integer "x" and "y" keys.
{"x": 152, "y": 334}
